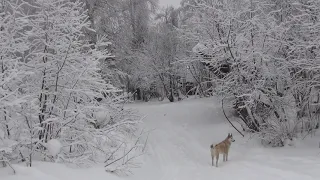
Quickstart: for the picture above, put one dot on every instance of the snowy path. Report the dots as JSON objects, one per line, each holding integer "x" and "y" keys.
{"x": 179, "y": 147}
{"x": 179, "y": 150}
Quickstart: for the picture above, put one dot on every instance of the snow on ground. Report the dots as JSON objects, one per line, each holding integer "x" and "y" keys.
{"x": 179, "y": 147}
{"x": 52, "y": 171}
{"x": 179, "y": 150}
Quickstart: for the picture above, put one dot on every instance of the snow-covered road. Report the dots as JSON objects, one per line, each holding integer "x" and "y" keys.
{"x": 179, "y": 150}
{"x": 179, "y": 147}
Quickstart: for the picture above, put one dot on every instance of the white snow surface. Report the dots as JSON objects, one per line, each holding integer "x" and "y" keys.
{"x": 179, "y": 150}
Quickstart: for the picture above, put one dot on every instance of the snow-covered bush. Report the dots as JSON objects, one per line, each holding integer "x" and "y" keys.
{"x": 54, "y": 147}
{"x": 273, "y": 49}
{"x": 50, "y": 83}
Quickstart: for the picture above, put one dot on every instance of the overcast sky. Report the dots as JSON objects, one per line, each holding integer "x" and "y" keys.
{"x": 174, "y": 3}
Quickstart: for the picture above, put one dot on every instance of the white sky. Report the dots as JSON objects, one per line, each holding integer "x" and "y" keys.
{"x": 174, "y": 3}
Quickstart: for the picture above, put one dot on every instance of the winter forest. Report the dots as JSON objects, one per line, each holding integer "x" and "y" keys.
{"x": 90, "y": 83}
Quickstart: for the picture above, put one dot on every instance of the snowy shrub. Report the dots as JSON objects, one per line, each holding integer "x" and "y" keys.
{"x": 272, "y": 47}
{"x": 50, "y": 83}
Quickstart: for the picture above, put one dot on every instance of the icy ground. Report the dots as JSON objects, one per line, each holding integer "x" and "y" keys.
{"x": 179, "y": 150}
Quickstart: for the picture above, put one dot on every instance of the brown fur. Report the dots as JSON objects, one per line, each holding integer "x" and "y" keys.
{"x": 221, "y": 148}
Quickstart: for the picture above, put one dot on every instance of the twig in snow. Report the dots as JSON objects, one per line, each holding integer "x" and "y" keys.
{"x": 132, "y": 148}
{"x": 228, "y": 118}
{"x": 7, "y": 163}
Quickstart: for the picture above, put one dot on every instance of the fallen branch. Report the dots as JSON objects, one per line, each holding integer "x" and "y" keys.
{"x": 126, "y": 153}
{"x": 228, "y": 118}
{"x": 111, "y": 155}
{"x": 7, "y": 163}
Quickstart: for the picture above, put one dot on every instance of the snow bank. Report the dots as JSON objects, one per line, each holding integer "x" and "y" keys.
{"x": 51, "y": 171}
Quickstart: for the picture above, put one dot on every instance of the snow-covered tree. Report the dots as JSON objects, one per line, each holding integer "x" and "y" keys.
{"x": 270, "y": 47}
{"x": 12, "y": 48}
{"x": 56, "y": 86}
